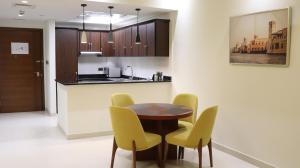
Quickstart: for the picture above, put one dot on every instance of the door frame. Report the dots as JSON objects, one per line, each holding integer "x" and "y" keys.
{"x": 41, "y": 31}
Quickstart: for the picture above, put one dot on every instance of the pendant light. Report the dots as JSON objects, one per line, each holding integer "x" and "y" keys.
{"x": 138, "y": 38}
{"x": 110, "y": 34}
{"x": 83, "y": 33}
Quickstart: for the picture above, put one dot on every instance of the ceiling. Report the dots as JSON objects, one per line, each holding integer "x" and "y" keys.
{"x": 67, "y": 10}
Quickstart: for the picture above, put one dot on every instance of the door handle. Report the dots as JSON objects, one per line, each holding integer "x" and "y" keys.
{"x": 38, "y": 74}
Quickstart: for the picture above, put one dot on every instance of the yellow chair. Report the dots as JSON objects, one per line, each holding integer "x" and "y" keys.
{"x": 191, "y": 101}
{"x": 197, "y": 136}
{"x": 121, "y": 100}
{"x": 129, "y": 134}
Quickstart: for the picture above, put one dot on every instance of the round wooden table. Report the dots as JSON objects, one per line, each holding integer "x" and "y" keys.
{"x": 159, "y": 118}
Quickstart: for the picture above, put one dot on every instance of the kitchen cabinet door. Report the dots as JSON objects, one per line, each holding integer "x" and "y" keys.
{"x": 67, "y": 41}
{"x": 150, "y": 48}
{"x": 122, "y": 42}
{"x": 162, "y": 38}
{"x": 143, "y": 45}
{"x": 116, "y": 36}
{"x": 128, "y": 42}
{"x": 95, "y": 41}
{"x": 135, "y": 47}
{"x": 106, "y": 48}
{"x": 85, "y": 46}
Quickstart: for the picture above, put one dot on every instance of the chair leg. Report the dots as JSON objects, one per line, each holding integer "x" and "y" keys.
{"x": 159, "y": 156}
{"x": 179, "y": 153}
{"x": 115, "y": 147}
{"x": 182, "y": 152}
{"x": 133, "y": 155}
{"x": 200, "y": 153}
{"x": 210, "y": 153}
{"x": 165, "y": 154}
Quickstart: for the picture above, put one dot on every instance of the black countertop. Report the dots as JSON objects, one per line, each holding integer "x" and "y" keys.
{"x": 111, "y": 81}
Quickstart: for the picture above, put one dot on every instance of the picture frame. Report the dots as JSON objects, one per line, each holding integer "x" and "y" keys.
{"x": 270, "y": 41}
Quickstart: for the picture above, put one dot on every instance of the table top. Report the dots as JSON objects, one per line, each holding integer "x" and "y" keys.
{"x": 161, "y": 111}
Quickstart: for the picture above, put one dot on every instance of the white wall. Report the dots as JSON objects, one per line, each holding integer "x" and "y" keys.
{"x": 259, "y": 106}
{"x": 259, "y": 112}
{"x": 49, "y": 67}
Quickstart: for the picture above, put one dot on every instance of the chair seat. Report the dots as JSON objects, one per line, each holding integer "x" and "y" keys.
{"x": 179, "y": 137}
{"x": 152, "y": 140}
{"x": 184, "y": 124}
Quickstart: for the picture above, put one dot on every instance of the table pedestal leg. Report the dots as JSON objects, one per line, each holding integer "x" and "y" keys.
{"x": 162, "y": 128}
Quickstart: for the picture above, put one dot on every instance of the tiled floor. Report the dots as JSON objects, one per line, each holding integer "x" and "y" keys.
{"x": 33, "y": 140}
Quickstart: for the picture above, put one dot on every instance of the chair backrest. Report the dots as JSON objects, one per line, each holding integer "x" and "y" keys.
{"x": 188, "y": 100}
{"x": 121, "y": 100}
{"x": 127, "y": 128}
{"x": 203, "y": 128}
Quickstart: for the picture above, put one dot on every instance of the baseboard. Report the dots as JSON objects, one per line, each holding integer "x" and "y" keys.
{"x": 88, "y": 135}
{"x": 242, "y": 156}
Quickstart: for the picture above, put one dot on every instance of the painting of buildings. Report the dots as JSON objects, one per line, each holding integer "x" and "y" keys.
{"x": 260, "y": 38}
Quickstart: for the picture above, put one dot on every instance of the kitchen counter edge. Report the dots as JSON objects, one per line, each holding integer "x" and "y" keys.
{"x": 103, "y": 82}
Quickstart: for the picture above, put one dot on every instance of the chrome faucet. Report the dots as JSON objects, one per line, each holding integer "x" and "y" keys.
{"x": 131, "y": 77}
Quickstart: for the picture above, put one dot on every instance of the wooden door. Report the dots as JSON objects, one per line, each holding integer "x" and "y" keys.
{"x": 135, "y": 47}
{"x": 128, "y": 42}
{"x": 84, "y": 47}
{"x": 21, "y": 74}
{"x": 67, "y": 41}
{"x": 143, "y": 45}
{"x": 106, "y": 47}
{"x": 150, "y": 39}
{"x": 95, "y": 41}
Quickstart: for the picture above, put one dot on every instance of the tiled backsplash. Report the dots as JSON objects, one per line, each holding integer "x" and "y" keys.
{"x": 142, "y": 66}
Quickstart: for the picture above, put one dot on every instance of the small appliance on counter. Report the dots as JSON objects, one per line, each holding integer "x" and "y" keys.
{"x": 103, "y": 71}
{"x": 114, "y": 72}
{"x": 158, "y": 76}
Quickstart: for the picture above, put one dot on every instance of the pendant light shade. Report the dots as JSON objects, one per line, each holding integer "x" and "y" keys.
{"x": 83, "y": 38}
{"x": 137, "y": 38}
{"x": 110, "y": 34}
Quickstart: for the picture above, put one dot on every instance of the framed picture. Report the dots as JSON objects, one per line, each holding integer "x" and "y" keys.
{"x": 19, "y": 48}
{"x": 261, "y": 38}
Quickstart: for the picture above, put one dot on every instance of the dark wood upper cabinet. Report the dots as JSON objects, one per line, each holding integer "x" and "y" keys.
{"x": 161, "y": 37}
{"x": 143, "y": 36}
{"x": 106, "y": 48}
{"x": 67, "y": 42}
{"x": 128, "y": 41}
{"x": 154, "y": 39}
{"x": 154, "y": 36}
{"x": 151, "y": 39}
{"x": 119, "y": 42}
{"x": 116, "y": 44}
{"x": 135, "y": 47}
{"x": 93, "y": 42}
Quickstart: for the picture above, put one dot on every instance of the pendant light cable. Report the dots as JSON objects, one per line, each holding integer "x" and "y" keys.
{"x": 83, "y": 33}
